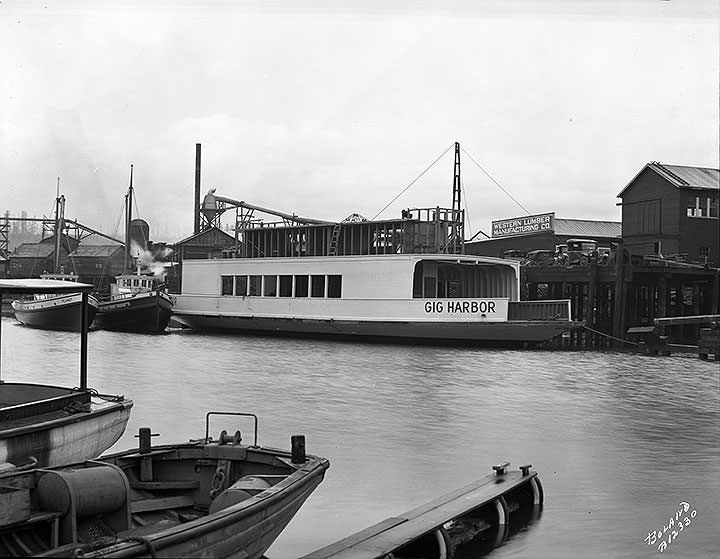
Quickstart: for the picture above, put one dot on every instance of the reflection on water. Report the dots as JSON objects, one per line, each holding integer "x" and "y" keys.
{"x": 618, "y": 440}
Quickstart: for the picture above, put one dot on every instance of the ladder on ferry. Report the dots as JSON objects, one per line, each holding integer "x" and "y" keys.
{"x": 332, "y": 251}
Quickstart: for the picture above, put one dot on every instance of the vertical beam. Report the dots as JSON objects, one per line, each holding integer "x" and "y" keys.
{"x": 196, "y": 213}
{"x": 83, "y": 340}
{"x": 619, "y": 298}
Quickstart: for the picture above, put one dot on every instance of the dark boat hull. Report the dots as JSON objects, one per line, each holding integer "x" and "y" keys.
{"x": 61, "y": 312}
{"x": 451, "y": 333}
{"x": 143, "y": 313}
{"x": 198, "y": 499}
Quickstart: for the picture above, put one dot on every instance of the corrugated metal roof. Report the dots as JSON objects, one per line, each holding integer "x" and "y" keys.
{"x": 681, "y": 175}
{"x": 587, "y": 228}
{"x": 96, "y": 251}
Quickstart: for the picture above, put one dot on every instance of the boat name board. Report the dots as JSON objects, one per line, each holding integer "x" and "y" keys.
{"x": 495, "y": 308}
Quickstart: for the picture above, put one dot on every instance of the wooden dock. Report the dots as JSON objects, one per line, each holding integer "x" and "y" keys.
{"x": 436, "y": 529}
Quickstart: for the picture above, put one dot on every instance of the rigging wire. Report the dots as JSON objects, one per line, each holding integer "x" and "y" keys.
{"x": 413, "y": 182}
{"x": 496, "y": 182}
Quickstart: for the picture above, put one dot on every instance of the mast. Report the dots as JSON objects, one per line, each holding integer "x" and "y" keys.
{"x": 128, "y": 219}
{"x": 457, "y": 232}
{"x": 59, "y": 225}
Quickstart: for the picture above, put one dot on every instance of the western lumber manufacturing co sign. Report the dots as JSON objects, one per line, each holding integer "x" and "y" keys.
{"x": 523, "y": 225}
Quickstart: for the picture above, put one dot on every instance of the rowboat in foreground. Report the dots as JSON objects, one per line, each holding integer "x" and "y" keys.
{"x": 46, "y": 425}
{"x": 204, "y": 498}
{"x": 467, "y": 522}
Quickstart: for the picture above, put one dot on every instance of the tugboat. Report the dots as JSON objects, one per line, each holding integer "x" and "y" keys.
{"x": 138, "y": 302}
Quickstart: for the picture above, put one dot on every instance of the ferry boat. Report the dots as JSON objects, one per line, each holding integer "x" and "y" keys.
{"x": 402, "y": 279}
{"x": 51, "y": 311}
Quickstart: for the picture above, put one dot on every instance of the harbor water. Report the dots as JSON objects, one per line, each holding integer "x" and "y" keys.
{"x": 620, "y": 441}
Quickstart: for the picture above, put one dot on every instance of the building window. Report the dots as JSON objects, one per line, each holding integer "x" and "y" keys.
{"x": 644, "y": 217}
{"x": 334, "y": 287}
{"x": 227, "y": 285}
{"x": 704, "y": 254}
{"x": 702, "y": 207}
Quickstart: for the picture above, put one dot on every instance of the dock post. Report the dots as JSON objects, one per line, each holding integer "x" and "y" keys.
{"x": 84, "y": 340}
{"x": 297, "y": 446}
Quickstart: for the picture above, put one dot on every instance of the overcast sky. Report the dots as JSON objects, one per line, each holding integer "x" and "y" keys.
{"x": 328, "y": 108}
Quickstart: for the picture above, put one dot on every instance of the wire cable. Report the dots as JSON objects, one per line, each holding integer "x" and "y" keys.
{"x": 413, "y": 182}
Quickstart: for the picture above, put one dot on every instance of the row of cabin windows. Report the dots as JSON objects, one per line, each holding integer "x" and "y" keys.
{"x": 283, "y": 286}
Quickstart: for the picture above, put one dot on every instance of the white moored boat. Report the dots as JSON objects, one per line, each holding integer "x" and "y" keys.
{"x": 438, "y": 297}
{"x": 401, "y": 279}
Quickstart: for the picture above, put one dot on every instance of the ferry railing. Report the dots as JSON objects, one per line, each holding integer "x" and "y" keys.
{"x": 539, "y": 310}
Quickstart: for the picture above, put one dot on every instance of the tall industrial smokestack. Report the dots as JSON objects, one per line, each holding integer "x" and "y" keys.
{"x": 196, "y": 213}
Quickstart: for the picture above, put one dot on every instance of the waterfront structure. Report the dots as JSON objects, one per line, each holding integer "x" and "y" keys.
{"x": 478, "y": 512}
{"x": 524, "y": 234}
{"x": 673, "y": 210}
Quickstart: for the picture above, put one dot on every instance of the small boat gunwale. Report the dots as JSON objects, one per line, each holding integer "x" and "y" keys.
{"x": 163, "y": 500}
{"x": 51, "y": 425}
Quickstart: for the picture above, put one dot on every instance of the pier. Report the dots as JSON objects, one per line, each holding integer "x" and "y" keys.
{"x": 437, "y": 529}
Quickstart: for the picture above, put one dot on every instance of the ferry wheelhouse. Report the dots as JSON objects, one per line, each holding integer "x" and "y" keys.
{"x": 403, "y": 279}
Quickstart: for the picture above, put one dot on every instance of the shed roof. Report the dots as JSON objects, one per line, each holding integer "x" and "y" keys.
{"x": 209, "y": 236}
{"x": 96, "y": 251}
{"x": 682, "y": 176}
{"x": 33, "y": 250}
{"x": 587, "y": 228}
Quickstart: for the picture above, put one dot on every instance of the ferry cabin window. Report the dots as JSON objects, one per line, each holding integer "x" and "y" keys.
{"x": 430, "y": 286}
{"x": 334, "y": 286}
{"x": 270, "y": 288}
{"x": 301, "y": 286}
{"x": 317, "y": 286}
{"x": 241, "y": 285}
{"x": 255, "y": 285}
{"x": 286, "y": 286}
{"x": 227, "y": 285}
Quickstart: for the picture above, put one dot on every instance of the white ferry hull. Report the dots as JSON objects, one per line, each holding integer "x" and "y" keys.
{"x": 384, "y": 298}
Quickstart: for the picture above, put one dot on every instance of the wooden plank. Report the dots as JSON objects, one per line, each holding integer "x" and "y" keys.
{"x": 393, "y": 533}
{"x": 146, "y": 505}
{"x": 677, "y": 320}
